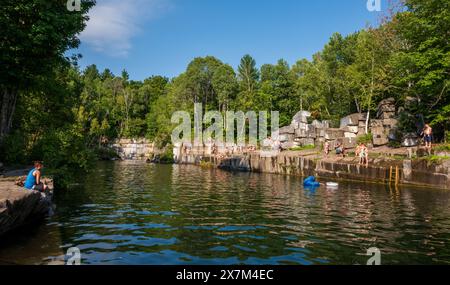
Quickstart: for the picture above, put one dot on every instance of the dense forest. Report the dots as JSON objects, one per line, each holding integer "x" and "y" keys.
{"x": 53, "y": 111}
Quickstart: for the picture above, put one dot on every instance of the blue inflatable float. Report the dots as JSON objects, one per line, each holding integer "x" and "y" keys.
{"x": 311, "y": 182}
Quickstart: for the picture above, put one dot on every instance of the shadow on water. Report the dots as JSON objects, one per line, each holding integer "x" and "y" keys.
{"x": 136, "y": 213}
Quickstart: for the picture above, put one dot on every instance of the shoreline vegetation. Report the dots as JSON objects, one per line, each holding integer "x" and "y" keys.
{"x": 54, "y": 112}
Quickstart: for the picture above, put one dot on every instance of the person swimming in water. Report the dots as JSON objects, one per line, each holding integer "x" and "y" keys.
{"x": 33, "y": 180}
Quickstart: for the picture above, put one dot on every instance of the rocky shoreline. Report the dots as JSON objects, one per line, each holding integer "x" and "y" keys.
{"x": 381, "y": 169}
{"x": 20, "y": 207}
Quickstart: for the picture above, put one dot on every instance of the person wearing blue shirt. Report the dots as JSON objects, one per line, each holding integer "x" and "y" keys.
{"x": 33, "y": 181}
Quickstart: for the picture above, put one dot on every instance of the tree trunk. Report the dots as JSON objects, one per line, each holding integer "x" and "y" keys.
{"x": 372, "y": 87}
{"x": 7, "y": 107}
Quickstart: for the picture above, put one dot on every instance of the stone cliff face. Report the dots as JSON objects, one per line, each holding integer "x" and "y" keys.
{"x": 19, "y": 207}
{"x": 134, "y": 149}
{"x": 382, "y": 127}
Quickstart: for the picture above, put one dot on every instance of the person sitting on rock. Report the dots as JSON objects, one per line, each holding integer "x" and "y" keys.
{"x": 33, "y": 180}
{"x": 340, "y": 150}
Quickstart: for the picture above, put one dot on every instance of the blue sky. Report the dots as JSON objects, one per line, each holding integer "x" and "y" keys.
{"x": 160, "y": 37}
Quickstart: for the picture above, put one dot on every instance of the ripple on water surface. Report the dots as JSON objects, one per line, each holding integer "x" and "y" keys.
{"x": 136, "y": 213}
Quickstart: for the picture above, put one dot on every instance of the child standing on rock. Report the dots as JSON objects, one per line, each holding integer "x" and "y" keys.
{"x": 363, "y": 152}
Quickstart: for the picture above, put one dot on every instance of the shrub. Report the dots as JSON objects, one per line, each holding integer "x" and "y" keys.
{"x": 435, "y": 159}
{"x": 394, "y": 144}
{"x": 13, "y": 149}
{"x": 105, "y": 153}
{"x": 365, "y": 139}
{"x": 167, "y": 156}
{"x": 300, "y": 148}
{"x": 445, "y": 147}
{"x": 65, "y": 154}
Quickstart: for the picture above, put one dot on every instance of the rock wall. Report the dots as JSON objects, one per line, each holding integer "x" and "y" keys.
{"x": 384, "y": 127}
{"x": 134, "y": 149}
{"x": 410, "y": 172}
{"x": 302, "y": 133}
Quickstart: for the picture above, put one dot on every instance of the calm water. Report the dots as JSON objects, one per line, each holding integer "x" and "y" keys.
{"x": 134, "y": 213}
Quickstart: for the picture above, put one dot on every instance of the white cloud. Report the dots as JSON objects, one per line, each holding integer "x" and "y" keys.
{"x": 114, "y": 23}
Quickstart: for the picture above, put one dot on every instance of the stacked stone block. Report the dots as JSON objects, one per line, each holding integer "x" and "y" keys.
{"x": 385, "y": 124}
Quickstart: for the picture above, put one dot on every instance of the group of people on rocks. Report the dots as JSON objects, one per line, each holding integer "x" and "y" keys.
{"x": 362, "y": 151}
{"x": 220, "y": 152}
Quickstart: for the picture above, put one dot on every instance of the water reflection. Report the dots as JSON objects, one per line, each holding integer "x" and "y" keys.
{"x": 134, "y": 213}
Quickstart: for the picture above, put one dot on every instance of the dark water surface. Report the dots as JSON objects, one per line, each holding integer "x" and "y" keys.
{"x": 135, "y": 213}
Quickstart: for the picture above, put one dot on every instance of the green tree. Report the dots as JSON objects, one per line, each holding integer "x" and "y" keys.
{"x": 248, "y": 76}
{"x": 421, "y": 67}
{"x": 35, "y": 36}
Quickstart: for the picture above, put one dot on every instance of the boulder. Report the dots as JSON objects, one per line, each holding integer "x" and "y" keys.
{"x": 378, "y": 131}
{"x": 351, "y": 120}
{"x": 390, "y": 123}
{"x": 393, "y": 135}
{"x": 376, "y": 123}
{"x": 386, "y": 109}
{"x": 386, "y": 115}
{"x": 287, "y": 130}
{"x": 19, "y": 207}
{"x": 285, "y": 138}
{"x": 306, "y": 141}
{"x": 388, "y": 101}
{"x": 288, "y": 145}
{"x": 301, "y": 133}
{"x": 349, "y": 142}
{"x": 332, "y": 134}
{"x": 380, "y": 140}
{"x": 349, "y": 135}
{"x": 302, "y": 126}
{"x": 320, "y": 133}
{"x": 311, "y": 132}
{"x": 317, "y": 124}
{"x": 301, "y": 117}
{"x": 351, "y": 129}
{"x": 410, "y": 140}
{"x": 320, "y": 141}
